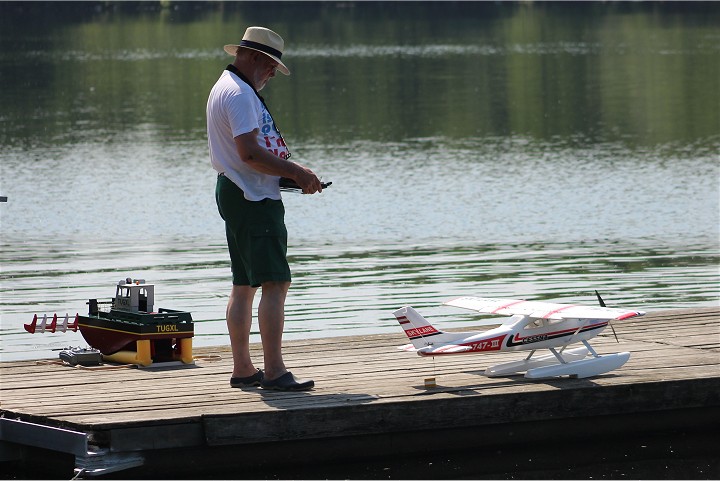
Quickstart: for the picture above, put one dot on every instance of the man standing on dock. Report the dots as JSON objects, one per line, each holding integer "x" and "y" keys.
{"x": 250, "y": 155}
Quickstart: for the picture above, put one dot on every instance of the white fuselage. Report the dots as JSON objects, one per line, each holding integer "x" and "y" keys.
{"x": 523, "y": 333}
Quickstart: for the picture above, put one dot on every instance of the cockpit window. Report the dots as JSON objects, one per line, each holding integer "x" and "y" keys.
{"x": 535, "y": 324}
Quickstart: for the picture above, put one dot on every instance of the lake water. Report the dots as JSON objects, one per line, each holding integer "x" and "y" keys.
{"x": 539, "y": 151}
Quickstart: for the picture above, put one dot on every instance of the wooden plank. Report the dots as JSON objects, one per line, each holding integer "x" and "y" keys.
{"x": 365, "y": 374}
{"x": 204, "y": 384}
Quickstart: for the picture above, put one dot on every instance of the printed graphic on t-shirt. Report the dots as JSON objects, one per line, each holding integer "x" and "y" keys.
{"x": 270, "y": 137}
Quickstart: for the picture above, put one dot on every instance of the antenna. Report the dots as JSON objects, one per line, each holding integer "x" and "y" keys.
{"x": 600, "y": 299}
{"x": 602, "y": 304}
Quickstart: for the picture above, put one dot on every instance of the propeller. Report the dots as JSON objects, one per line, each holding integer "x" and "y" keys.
{"x": 602, "y": 304}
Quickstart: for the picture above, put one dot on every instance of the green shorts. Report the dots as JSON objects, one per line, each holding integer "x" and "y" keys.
{"x": 256, "y": 236}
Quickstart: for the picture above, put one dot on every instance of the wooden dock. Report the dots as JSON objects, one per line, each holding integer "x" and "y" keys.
{"x": 371, "y": 416}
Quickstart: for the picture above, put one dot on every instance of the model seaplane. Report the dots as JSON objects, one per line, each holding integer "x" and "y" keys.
{"x": 533, "y": 325}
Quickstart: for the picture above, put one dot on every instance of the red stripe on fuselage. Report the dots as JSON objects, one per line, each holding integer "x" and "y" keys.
{"x": 481, "y": 345}
{"x": 517, "y": 337}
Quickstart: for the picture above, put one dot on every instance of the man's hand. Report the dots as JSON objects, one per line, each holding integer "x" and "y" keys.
{"x": 266, "y": 162}
{"x": 308, "y": 181}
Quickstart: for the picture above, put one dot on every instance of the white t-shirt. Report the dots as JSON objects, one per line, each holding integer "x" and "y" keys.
{"x": 233, "y": 109}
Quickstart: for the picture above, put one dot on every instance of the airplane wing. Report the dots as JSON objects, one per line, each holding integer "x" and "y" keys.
{"x": 539, "y": 309}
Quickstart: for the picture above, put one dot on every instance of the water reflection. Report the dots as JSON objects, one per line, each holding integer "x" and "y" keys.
{"x": 644, "y": 75}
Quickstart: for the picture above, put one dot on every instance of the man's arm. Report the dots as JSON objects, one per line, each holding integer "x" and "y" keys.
{"x": 266, "y": 162}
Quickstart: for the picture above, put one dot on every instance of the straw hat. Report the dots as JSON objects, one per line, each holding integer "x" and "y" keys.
{"x": 263, "y": 40}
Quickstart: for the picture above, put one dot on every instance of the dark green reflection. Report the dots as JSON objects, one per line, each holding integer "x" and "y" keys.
{"x": 640, "y": 73}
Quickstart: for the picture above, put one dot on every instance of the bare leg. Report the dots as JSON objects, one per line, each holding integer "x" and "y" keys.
{"x": 239, "y": 321}
{"x": 271, "y": 317}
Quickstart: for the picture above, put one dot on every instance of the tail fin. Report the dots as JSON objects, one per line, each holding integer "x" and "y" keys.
{"x": 420, "y": 332}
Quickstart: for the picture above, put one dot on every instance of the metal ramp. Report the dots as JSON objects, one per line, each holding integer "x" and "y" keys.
{"x": 15, "y": 435}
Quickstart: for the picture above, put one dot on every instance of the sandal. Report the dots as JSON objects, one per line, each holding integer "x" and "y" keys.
{"x": 249, "y": 381}
{"x": 287, "y": 382}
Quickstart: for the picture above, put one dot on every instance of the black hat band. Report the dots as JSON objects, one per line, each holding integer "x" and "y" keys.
{"x": 261, "y": 47}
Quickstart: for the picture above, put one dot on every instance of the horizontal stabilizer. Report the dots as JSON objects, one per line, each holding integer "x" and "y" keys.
{"x": 421, "y": 333}
{"x": 444, "y": 349}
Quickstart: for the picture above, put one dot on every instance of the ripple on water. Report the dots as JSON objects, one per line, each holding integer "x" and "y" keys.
{"x": 339, "y": 292}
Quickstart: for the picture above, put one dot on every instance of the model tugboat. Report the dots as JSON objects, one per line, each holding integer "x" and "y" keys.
{"x": 130, "y": 332}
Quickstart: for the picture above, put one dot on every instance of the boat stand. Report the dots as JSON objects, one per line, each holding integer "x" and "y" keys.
{"x": 145, "y": 353}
